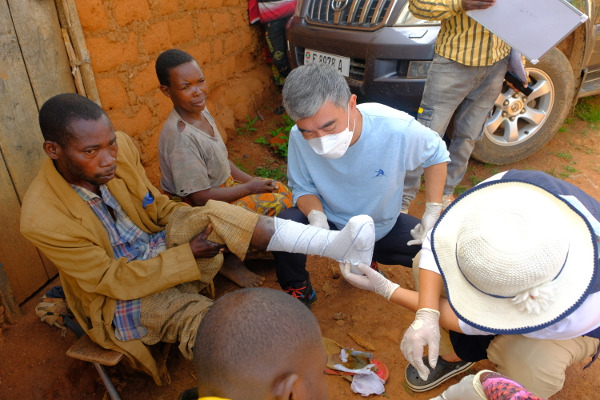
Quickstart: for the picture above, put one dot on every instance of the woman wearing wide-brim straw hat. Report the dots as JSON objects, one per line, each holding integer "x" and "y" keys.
{"x": 518, "y": 257}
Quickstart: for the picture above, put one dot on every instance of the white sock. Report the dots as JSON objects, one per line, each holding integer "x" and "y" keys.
{"x": 352, "y": 244}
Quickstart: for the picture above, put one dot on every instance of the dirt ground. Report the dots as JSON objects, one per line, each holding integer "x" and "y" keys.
{"x": 33, "y": 363}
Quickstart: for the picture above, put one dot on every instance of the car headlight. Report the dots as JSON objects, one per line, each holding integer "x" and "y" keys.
{"x": 405, "y": 18}
{"x": 418, "y": 69}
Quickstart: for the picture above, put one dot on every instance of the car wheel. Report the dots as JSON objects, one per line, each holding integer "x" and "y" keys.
{"x": 520, "y": 125}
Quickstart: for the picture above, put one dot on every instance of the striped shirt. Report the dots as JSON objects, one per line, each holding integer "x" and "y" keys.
{"x": 128, "y": 241}
{"x": 461, "y": 38}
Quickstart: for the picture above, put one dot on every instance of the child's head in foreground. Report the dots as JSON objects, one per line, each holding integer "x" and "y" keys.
{"x": 260, "y": 343}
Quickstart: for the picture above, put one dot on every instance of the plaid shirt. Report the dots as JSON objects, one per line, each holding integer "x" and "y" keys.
{"x": 128, "y": 241}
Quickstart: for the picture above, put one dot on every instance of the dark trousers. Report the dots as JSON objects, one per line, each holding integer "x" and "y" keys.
{"x": 390, "y": 249}
{"x": 275, "y": 37}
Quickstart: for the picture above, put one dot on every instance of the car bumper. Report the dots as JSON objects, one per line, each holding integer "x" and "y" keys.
{"x": 379, "y": 60}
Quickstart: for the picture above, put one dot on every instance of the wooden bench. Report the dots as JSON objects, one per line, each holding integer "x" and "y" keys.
{"x": 86, "y": 350}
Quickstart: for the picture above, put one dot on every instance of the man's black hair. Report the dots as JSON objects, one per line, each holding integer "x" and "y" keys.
{"x": 170, "y": 59}
{"x": 59, "y": 111}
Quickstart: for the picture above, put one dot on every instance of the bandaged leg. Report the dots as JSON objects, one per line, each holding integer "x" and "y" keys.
{"x": 352, "y": 244}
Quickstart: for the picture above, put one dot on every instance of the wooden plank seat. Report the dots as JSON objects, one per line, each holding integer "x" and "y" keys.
{"x": 86, "y": 350}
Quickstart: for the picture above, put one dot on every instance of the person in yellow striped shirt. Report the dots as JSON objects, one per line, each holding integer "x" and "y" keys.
{"x": 465, "y": 78}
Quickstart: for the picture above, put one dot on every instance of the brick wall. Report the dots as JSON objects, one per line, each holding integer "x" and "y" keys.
{"x": 124, "y": 38}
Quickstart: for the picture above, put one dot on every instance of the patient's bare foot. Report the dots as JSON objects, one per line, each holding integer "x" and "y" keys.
{"x": 234, "y": 269}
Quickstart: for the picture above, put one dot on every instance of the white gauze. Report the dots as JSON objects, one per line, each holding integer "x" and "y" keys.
{"x": 352, "y": 244}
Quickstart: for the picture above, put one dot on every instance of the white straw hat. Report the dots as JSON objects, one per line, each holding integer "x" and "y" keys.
{"x": 515, "y": 258}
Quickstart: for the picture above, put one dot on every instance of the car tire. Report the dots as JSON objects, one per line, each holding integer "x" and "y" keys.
{"x": 518, "y": 126}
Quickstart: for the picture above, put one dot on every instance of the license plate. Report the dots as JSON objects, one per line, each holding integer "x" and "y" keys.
{"x": 340, "y": 63}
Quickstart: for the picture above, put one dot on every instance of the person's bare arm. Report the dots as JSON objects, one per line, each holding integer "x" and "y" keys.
{"x": 250, "y": 185}
{"x": 435, "y": 179}
{"x": 309, "y": 202}
{"x": 410, "y": 299}
{"x": 238, "y": 174}
{"x": 477, "y": 4}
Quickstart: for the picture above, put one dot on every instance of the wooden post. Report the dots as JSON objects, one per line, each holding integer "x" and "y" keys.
{"x": 7, "y": 299}
{"x": 69, "y": 20}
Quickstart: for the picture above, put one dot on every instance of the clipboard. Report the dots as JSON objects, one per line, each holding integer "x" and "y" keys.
{"x": 530, "y": 26}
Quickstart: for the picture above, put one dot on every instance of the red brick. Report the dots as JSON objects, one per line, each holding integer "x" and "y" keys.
{"x": 157, "y": 38}
{"x": 232, "y": 44}
{"x": 145, "y": 80}
{"x": 225, "y": 120}
{"x": 92, "y": 15}
{"x": 152, "y": 170}
{"x": 162, "y": 106}
{"x": 227, "y": 67}
{"x": 112, "y": 93}
{"x": 214, "y": 4}
{"x": 213, "y": 76}
{"x": 240, "y": 22}
{"x": 217, "y": 50}
{"x": 127, "y": 11}
{"x": 202, "y": 53}
{"x": 190, "y": 5}
{"x": 167, "y": 6}
{"x": 131, "y": 120}
{"x": 205, "y": 26}
{"x": 182, "y": 29}
{"x": 106, "y": 54}
{"x": 222, "y": 22}
{"x": 244, "y": 61}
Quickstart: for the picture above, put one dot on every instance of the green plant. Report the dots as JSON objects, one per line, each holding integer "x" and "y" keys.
{"x": 281, "y": 135}
{"x": 570, "y": 168}
{"x": 247, "y": 127}
{"x": 261, "y": 140}
{"x": 475, "y": 180}
{"x": 460, "y": 190}
{"x": 277, "y": 172}
{"x": 239, "y": 165}
{"x": 587, "y": 111}
{"x": 564, "y": 156}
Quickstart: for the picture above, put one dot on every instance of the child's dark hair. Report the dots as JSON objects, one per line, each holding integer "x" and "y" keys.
{"x": 248, "y": 334}
{"x": 170, "y": 59}
{"x": 59, "y": 111}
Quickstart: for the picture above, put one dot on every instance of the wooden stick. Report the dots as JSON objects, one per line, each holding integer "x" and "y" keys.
{"x": 70, "y": 21}
{"x": 75, "y": 63}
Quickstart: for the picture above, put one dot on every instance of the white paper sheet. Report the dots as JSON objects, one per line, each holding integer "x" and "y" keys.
{"x": 531, "y": 26}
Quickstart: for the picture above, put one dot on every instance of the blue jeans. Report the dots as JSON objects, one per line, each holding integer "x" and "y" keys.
{"x": 468, "y": 94}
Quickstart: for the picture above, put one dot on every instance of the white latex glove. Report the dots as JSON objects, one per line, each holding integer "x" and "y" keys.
{"x": 430, "y": 216}
{"x": 463, "y": 390}
{"x": 371, "y": 280}
{"x": 318, "y": 218}
{"x": 424, "y": 331}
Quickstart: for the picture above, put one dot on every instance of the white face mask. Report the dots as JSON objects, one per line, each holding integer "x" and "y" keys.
{"x": 334, "y": 145}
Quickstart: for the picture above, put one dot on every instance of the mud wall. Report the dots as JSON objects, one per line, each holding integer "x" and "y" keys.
{"x": 124, "y": 38}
